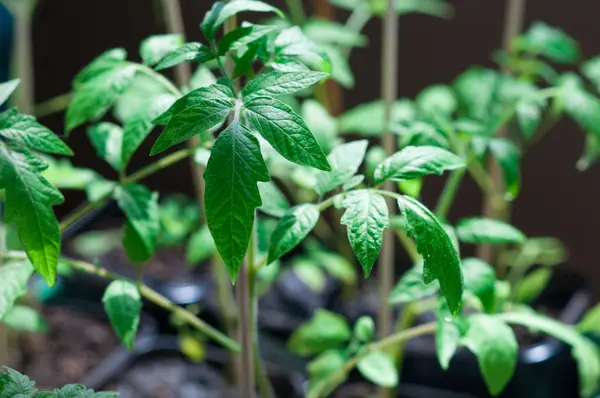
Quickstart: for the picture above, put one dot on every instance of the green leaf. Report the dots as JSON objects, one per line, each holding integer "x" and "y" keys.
{"x": 193, "y": 98}
{"x": 310, "y": 274}
{"x": 243, "y": 36}
{"x": 379, "y": 368}
{"x": 335, "y": 265}
{"x": 7, "y": 88}
{"x": 368, "y": 119}
{"x": 411, "y": 287}
{"x": 364, "y": 329}
{"x": 142, "y": 90}
{"x": 488, "y": 231}
{"x": 25, "y": 130}
{"x": 547, "y": 252}
{"x": 334, "y": 33}
{"x": 591, "y": 321}
{"x": 591, "y": 70}
{"x": 324, "y": 368}
{"x": 155, "y": 48}
{"x": 285, "y": 131}
{"x": 495, "y": 346}
{"x": 480, "y": 279}
{"x": 28, "y": 206}
{"x": 591, "y": 153}
{"x": 417, "y": 161}
{"x": 529, "y": 116}
{"x": 321, "y": 124}
{"x": 476, "y": 92}
{"x": 105, "y": 62}
{"x": 107, "y": 139}
{"x": 14, "y": 276}
{"x": 532, "y": 285}
{"x": 440, "y": 258}
{"x": 583, "y": 350}
{"x": 375, "y": 156}
{"x": 345, "y": 160}
{"x": 274, "y": 201}
{"x": 228, "y": 39}
{"x": 579, "y": 104}
{"x": 15, "y": 385}
{"x": 188, "y": 52}
{"x": 94, "y": 97}
{"x": 221, "y": 11}
{"x": 366, "y": 219}
{"x": 447, "y": 339}
{"x": 76, "y": 391}
{"x": 274, "y": 84}
{"x": 202, "y": 77}
{"x": 325, "y": 330}
{"x": 200, "y": 247}
{"x": 550, "y": 42}
{"x": 25, "y": 318}
{"x": 199, "y": 116}
{"x": 140, "y": 205}
{"x": 293, "y": 227}
{"x": 437, "y": 99}
{"x": 123, "y": 303}
{"x": 140, "y": 125}
{"x": 233, "y": 171}
{"x": 508, "y": 157}
{"x": 340, "y": 67}
{"x": 420, "y": 133}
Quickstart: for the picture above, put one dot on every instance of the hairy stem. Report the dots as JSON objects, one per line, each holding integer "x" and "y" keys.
{"x": 152, "y": 296}
{"x": 245, "y": 324}
{"x": 494, "y": 206}
{"x": 389, "y": 93}
{"x": 380, "y": 345}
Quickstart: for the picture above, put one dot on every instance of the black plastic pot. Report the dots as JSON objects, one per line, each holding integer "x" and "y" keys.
{"x": 544, "y": 370}
{"x": 156, "y": 362}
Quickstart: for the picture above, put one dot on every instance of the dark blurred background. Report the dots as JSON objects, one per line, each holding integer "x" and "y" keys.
{"x": 556, "y": 199}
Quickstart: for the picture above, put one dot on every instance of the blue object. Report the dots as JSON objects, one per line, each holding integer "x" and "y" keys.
{"x": 6, "y": 36}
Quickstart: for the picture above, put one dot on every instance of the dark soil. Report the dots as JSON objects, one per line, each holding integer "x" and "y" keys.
{"x": 75, "y": 344}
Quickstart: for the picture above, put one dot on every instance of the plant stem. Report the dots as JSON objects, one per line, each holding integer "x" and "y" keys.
{"x": 389, "y": 93}
{"x": 245, "y": 324}
{"x": 23, "y": 53}
{"x": 297, "y": 14}
{"x": 131, "y": 179}
{"x": 449, "y": 193}
{"x": 151, "y": 296}
{"x": 391, "y": 340}
{"x": 4, "y": 344}
{"x": 183, "y": 73}
{"x": 262, "y": 379}
{"x": 53, "y": 105}
{"x": 357, "y": 21}
{"x": 494, "y": 205}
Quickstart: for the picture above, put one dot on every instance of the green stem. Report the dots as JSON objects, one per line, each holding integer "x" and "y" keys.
{"x": 297, "y": 14}
{"x": 153, "y": 297}
{"x": 449, "y": 193}
{"x": 133, "y": 178}
{"x": 332, "y": 381}
{"x": 357, "y": 21}
{"x": 53, "y": 105}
